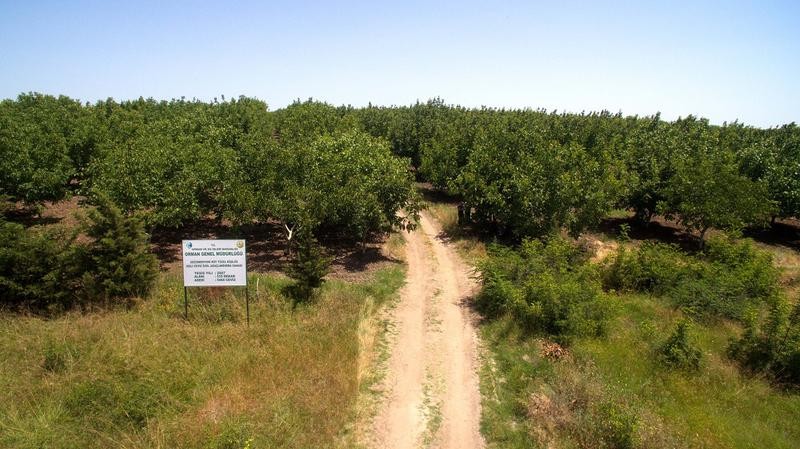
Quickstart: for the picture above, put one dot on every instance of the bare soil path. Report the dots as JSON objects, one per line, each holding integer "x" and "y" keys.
{"x": 431, "y": 385}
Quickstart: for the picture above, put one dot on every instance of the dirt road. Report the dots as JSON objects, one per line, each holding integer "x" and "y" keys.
{"x": 431, "y": 386}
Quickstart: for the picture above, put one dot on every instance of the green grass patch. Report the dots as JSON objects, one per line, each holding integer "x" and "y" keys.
{"x": 615, "y": 392}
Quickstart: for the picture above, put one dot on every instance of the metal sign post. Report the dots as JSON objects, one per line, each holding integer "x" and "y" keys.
{"x": 247, "y": 303}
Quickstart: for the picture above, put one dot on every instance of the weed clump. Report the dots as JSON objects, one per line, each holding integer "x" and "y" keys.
{"x": 616, "y": 426}
{"x": 772, "y": 345}
{"x": 680, "y": 351}
{"x": 126, "y": 402}
{"x": 58, "y": 357}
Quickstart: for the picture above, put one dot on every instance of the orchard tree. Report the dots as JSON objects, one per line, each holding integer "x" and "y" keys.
{"x": 649, "y": 158}
{"x": 775, "y": 161}
{"x": 525, "y": 186}
{"x": 445, "y": 153}
{"x": 349, "y": 183}
{"x": 171, "y": 182}
{"x": 172, "y": 161}
{"x": 36, "y": 139}
{"x": 784, "y": 178}
{"x": 301, "y": 123}
{"x": 707, "y": 191}
{"x": 364, "y": 184}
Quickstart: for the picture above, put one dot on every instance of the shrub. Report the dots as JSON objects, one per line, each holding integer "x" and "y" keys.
{"x": 772, "y": 346}
{"x": 308, "y": 269}
{"x": 732, "y": 278}
{"x": 750, "y": 271}
{"x": 548, "y": 287}
{"x": 46, "y": 270}
{"x": 653, "y": 267}
{"x": 32, "y": 267}
{"x": 726, "y": 280}
{"x": 117, "y": 263}
{"x": 680, "y": 350}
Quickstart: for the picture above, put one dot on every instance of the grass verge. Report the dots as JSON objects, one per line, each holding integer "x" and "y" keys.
{"x": 144, "y": 377}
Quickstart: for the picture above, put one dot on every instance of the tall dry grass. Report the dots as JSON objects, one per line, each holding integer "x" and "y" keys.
{"x": 144, "y": 377}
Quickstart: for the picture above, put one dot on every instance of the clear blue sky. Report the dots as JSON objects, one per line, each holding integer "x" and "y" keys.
{"x": 722, "y": 60}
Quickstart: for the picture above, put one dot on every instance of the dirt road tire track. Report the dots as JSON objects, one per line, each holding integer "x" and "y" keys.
{"x": 431, "y": 385}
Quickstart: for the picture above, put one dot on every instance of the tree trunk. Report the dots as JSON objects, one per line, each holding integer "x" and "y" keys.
{"x": 703, "y": 238}
{"x": 289, "y": 234}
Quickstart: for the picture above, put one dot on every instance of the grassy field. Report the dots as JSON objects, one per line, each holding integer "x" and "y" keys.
{"x": 612, "y": 392}
{"x": 144, "y": 377}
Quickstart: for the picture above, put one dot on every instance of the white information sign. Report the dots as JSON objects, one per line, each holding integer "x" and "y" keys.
{"x": 214, "y": 263}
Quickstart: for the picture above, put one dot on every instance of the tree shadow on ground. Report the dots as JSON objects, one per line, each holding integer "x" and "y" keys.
{"x": 437, "y": 196}
{"x": 266, "y": 247}
{"x": 658, "y": 229}
{"x": 782, "y": 232}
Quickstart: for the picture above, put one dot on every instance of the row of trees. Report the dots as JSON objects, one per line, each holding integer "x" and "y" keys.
{"x": 175, "y": 162}
{"x": 526, "y": 172}
{"x": 521, "y": 172}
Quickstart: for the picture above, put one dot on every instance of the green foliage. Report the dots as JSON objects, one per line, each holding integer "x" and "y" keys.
{"x": 774, "y": 159}
{"x": 649, "y": 147}
{"x": 524, "y": 172}
{"x": 680, "y": 350}
{"x": 772, "y": 345}
{"x": 46, "y": 269}
{"x": 32, "y": 267}
{"x": 178, "y": 162}
{"x": 358, "y": 186}
{"x": 616, "y": 427}
{"x": 727, "y": 279}
{"x": 40, "y": 147}
{"x": 309, "y": 267}
{"x": 300, "y": 123}
{"x": 533, "y": 187}
{"x": 707, "y": 191}
{"x": 548, "y": 287}
{"x": 117, "y": 263}
{"x": 652, "y": 267}
{"x": 173, "y": 161}
{"x": 348, "y": 183}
